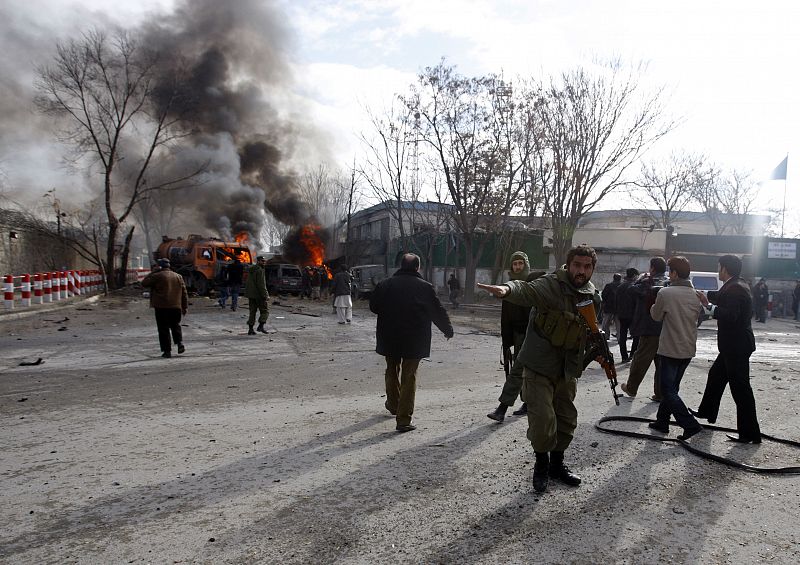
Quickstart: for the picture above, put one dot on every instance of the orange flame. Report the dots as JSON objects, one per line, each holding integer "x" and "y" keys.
{"x": 243, "y": 255}
{"x": 313, "y": 244}
{"x": 242, "y": 238}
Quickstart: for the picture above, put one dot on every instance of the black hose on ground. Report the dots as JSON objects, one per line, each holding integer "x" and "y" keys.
{"x": 700, "y": 452}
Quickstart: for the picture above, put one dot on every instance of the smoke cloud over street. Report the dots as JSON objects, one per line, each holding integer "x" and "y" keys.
{"x": 224, "y": 76}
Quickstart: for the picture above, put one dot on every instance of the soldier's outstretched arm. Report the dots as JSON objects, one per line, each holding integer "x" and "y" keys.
{"x": 495, "y": 290}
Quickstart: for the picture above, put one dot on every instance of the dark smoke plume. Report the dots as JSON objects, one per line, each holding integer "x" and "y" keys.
{"x": 225, "y": 77}
{"x": 224, "y": 63}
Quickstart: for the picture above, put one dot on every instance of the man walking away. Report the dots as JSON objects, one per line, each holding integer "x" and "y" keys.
{"x": 455, "y": 289}
{"x": 676, "y": 306}
{"x": 222, "y": 285}
{"x": 343, "y": 299}
{"x": 733, "y": 309}
{"x": 316, "y": 282}
{"x": 609, "y": 296}
{"x": 796, "y": 301}
{"x": 257, "y": 296}
{"x": 760, "y": 300}
{"x": 406, "y": 304}
{"x": 626, "y": 305}
{"x": 235, "y": 276}
{"x": 552, "y": 355}
{"x": 513, "y": 325}
{"x": 646, "y": 329}
{"x": 170, "y": 301}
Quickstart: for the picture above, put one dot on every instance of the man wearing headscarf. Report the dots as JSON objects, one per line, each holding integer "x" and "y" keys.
{"x": 513, "y": 325}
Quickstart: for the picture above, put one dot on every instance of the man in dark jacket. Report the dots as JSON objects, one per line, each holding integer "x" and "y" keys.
{"x": 169, "y": 299}
{"x": 513, "y": 325}
{"x": 626, "y": 305}
{"x": 646, "y": 329}
{"x": 235, "y": 277}
{"x": 316, "y": 283}
{"x": 455, "y": 288}
{"x": 609, "y": 296}
{"x": 222, "y": 285}
{"x": 257, "y": 296}
{"x": 760, "y": 300}
{"x": 735, "y": 341}
{"x": 406, "y": 304}
{"x": 796, "y": 301}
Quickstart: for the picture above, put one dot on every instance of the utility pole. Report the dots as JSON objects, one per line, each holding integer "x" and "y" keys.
{"x": 59, "y": 214}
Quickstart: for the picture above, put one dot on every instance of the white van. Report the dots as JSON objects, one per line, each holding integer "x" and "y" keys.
{"x": 705, "y": 281}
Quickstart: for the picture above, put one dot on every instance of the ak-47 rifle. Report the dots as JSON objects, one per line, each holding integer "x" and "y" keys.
{"x": 598, "y": 346}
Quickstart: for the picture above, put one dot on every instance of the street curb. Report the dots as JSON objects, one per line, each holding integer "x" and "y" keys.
{"x": 32, "y": 310}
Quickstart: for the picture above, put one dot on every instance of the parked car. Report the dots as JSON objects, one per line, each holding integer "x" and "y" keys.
{"x": 705, "y": 282}
{"x": 284, "y": 279}
{"x": 366, "y": 278}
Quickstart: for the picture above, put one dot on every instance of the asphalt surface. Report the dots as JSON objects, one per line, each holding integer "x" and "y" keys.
{"x": 277, "y": 449}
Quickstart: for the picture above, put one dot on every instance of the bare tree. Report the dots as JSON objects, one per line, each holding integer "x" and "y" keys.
{"x": 706, "y": 194}
{"x": 353, "y": 201}
{"x": 738, "y": 195}
{"x": 595, "y": 126}
{"x": 63, "y": 234}
{"x": 471, "y": 125}
{"x": 391, "y": 162}
{"x": 157, "y": 214}
{"x": 102, "y": 87}
{"x": 728, "y": 199}
{"x": 669, "y": 185}
{"x": 273, "y": 232}
{"x": 326, "y": 192}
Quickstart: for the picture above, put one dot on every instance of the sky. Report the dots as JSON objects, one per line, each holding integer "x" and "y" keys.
{"x": 729, "y": 67}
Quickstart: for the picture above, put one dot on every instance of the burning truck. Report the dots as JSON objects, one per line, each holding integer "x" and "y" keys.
{"x": 199, "y": 259}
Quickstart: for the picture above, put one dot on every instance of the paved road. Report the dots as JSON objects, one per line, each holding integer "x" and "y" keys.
{"x": 277, "y": 449}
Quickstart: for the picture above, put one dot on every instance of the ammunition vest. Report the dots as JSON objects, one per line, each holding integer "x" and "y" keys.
{"x": 561, "y": 328}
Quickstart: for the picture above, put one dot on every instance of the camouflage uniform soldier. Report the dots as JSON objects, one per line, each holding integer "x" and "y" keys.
{"x": 552, "y": 356}
{"x": 257, "y": 296}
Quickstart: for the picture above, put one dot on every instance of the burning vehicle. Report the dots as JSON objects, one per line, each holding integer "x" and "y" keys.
{"x": 199, "y": 259}
{"x": 284, "y": 279}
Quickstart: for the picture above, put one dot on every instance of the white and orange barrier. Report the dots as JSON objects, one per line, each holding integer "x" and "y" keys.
{"x": 136, "y": 275}
{"x": 8, "y": 292}
{"x": 43, "y": 288}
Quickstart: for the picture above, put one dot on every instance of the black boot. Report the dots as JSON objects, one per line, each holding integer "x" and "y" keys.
{"x": 560, "y": 471}
{"x": 523, "y": 410}
{"x": 251, "y": 331}
{"x": 261, "y": 329}
{"x": 499, "y": 413}
{"x": 540, "y": 468}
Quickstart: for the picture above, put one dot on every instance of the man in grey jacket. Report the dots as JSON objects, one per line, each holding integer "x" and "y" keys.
{"x": 677, "y": 307}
